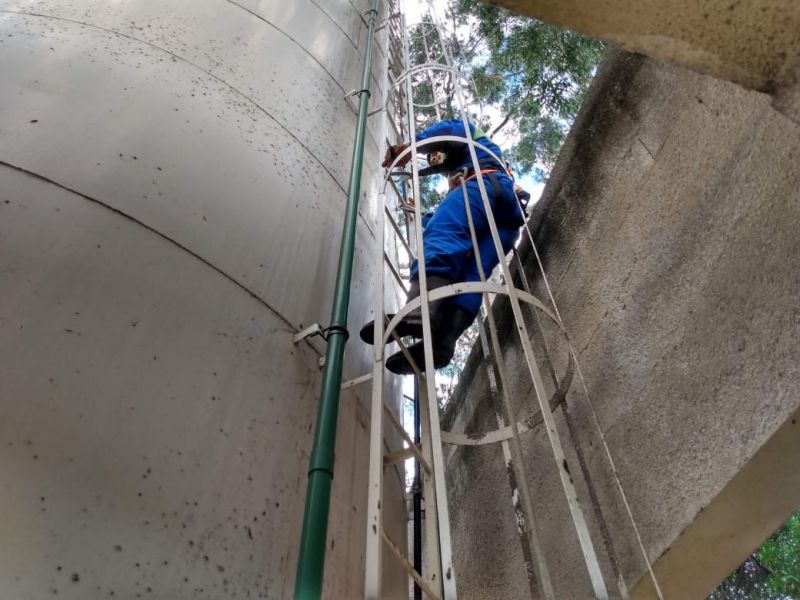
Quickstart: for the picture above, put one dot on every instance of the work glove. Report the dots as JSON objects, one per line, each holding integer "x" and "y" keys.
{"x": 391, "y": 154}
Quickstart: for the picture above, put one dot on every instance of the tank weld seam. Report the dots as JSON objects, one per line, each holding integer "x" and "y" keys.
{"x": 298, "y": 44}
{"x": 199, "y": 68}
{"x": 332, "y": 20}
{"x": 163, "y": 236}
{"x": 336, "y": 23}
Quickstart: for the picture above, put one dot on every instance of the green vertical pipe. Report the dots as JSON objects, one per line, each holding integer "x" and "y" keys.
{"x": 311, "y": 560}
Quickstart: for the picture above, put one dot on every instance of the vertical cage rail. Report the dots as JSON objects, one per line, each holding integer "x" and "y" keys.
{"x": 622, "y": 585}
{"x": 512, "y": 455}
{"x": 581, "y": 528}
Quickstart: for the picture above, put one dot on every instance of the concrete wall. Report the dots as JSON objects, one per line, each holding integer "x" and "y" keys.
{"x": 670, "y": 231}
{"x": 172, "y": 184}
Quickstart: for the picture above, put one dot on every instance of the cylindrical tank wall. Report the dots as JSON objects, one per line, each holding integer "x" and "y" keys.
{"x": 172, "y": 184}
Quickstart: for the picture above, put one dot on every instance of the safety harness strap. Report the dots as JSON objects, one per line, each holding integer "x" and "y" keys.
{"x": 482, "y": 172}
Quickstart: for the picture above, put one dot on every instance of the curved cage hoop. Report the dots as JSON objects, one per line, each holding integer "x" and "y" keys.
{"x": 457, "y": 289}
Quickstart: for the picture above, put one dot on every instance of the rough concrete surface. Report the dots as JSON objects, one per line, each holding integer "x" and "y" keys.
{"x": 670, "y": 233}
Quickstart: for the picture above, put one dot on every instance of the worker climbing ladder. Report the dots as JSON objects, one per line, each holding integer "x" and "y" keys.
{"x": 439, "y": 577}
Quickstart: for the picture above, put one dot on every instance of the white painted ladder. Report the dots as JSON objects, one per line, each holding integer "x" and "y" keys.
{"x": 439, "y": 580}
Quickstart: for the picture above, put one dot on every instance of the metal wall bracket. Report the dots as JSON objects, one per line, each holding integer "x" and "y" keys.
{"x": 365, "y": 13}
{"x": 323, "y": 332}
{"x": 357, "y": 92}
{"x": 310, "y": 331}
{"x": 387, "y": 21}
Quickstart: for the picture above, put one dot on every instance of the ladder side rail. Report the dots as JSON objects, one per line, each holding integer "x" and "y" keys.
{"x": 517, "y": 455}
{"x": 373, "y": 566}
{"x": 416, "y": 495}
{"x": 448, "y": 579}
{"x": 433, "y": 566}
{"x": 376, "y": 536}
{"x": 374, "y": 543}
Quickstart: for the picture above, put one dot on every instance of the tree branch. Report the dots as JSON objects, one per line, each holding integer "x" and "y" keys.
{"x": 499, "y": 127}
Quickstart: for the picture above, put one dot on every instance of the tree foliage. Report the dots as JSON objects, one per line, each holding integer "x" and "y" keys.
{"x": 780, "y": 554}
{"x": 772, "y": 572}
{"x": 537, "y": 74}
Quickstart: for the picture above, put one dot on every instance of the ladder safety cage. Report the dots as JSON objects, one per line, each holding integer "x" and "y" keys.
{"x": 438, "y": 580}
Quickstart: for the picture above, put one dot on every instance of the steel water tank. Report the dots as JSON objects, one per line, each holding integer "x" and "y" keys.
{"x": 172, "y": 187}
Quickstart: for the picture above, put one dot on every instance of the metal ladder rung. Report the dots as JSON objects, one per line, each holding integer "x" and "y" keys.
{"x": 397, "y": 192}
{"x": 412, "y": 446}
{"x": 395, "y": 272}
{"x": 401, "y": 455}
{"x": 356, "y": 381}
{"x": 409, "y": 568}
{"x": 399, "y": 233}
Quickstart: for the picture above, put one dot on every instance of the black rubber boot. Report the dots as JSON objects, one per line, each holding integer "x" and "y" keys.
{"x": 367, "y": 333}
{"x": 449, "y": 328}
{"x": 411, "y": 325}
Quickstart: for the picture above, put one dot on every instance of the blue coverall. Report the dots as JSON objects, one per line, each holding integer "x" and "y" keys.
{"x": 446, "y": 238}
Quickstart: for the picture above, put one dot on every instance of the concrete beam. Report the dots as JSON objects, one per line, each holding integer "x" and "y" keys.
{"x": 755, "y": 43}
{"x": 746, "y": 512}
